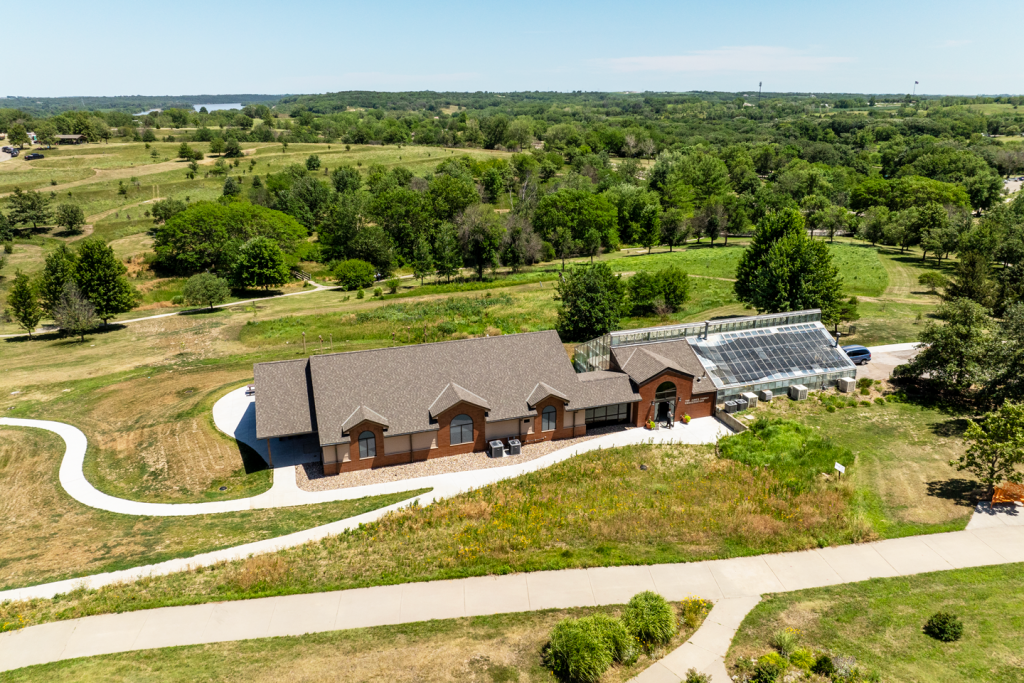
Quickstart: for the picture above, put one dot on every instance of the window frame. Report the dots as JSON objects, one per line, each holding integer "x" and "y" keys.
{"x": 371, "y": 440}
{"x": 461, "y": 427}
{"x": 675, "y": 392}
{"x": 544, "y": 417}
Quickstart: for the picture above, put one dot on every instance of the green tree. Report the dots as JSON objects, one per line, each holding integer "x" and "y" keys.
{"x": 564, "y": 245}
{"x": 481, "y": 235}
{"x": 972, "y": 279}
{"x": 675, "y": 228}
{"x": 849, "y": 311}
{"x": 23, "y": 304}
{"x": 100, "y": 277}
{"x": 674, "y": 285}
{"x": 313, "y": 162}
{"x": 346, "y": 179}
{"x": 70, "y": 217}
{"x": 28, "y": 207}
{"x": 578, "y": 211}
{"x": 955, "y": 354}
{"x": 354, "y": 274}
{"x": 232, "y": 188}
{"x": 217, "y": 146}
{"x": 796, "y": 273}
{"x": 185, "y": 152}
{"x": 996, "y": 448}
{"x": 771, "y": 229}
{"x": 422, "y": 259}
{"x": 166, "y": 209}
{"x": 590, "y": 245}
{"x": 206, "y": 289}
{"x": 6, "y": 230}
{"x": 447, "y": 252}
{"x": 591, "y": 300}
{"x": 232, "y": 149}
{"x": 643, "y": 288}
{"x": 74, "y": 313}
{"x": 260, "y": 263}
{"x": 933, "y": 280}
{"x": 17, "y": 135}
{"x": 58, "y": 270}
{"x": 373, "y": 245}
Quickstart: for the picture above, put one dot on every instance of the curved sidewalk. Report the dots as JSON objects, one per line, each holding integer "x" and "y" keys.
{"x": 734, "y": 584}
{"x": 286, "y": 493}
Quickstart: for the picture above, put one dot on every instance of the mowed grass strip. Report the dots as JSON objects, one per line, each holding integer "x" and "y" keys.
{"x": 504, "y": 648}
{"x": 49, "y": 536}
{"x": 879, "y": 622}
{"x": 597, "y": 509}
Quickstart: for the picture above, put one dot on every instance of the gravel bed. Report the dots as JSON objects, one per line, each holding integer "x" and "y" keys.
{"x": 310, "y": 476}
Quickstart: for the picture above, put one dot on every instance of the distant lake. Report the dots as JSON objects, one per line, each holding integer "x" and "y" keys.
{"x": 215, "y": 107}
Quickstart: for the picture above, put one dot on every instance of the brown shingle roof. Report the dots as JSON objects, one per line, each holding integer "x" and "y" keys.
{"x": 644, "y": 361}
{"x": 363, "y": 414}
{"x": 284, "y": 399}
{"x": 541, "y": 392}
{"x": 453, "y": 394}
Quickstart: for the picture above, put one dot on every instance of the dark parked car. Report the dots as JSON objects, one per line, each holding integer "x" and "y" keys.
{"x": 14, "y": 152}
{"x": 33, "y": 155}
{"x": 5, "y": 149}
{"x": 858, "y": 354}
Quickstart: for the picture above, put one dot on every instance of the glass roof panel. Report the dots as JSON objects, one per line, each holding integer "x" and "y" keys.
{"x": 763, "y": 354}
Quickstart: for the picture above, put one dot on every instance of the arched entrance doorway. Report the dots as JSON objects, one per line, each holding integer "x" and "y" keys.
{"x": 665, "y": 403}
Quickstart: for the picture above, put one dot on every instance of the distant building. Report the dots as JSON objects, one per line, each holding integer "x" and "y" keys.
{"x": 70, "y": 139}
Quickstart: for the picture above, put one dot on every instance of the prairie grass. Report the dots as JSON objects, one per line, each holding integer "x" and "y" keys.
{"x": 879, "y": 625}
{"x": 597, "y": 509}
{"x": 504, "y": 648}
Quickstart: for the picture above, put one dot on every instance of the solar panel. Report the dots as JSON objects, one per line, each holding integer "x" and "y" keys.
{"x": 767, "y": 354}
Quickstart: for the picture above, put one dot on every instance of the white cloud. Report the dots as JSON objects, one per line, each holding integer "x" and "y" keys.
{"x": 747, "y": 58}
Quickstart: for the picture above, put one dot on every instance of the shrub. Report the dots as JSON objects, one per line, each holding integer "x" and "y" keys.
{"x": 823, "y": 666}
{"x": 803, "y": 658}
{"x": 178, "y": 300}
{"x": 831, "y": 409}
{"x": 360, "y": 294}
{"x": 378, "y": 292}
{"x": 547, "y": 251}
{"x": 879, "y": 400}
{"x": 784, "y": 640}
{"x": 864, "y": 391}
{"x": 650, "y": 619}
{"x": 865, "y": 383}
{"x": 945, "y": 627}
{"x": 865, "y": 403}
{"x": 392, "y": 285}
{"x": 694, "y": 610}
{"x": 8, "y": 247}
{"x": 694, "y": 676}
{"x": 354, "y": 274}
{"x": 583, "y": 649}
{"x": 769, "y": 668}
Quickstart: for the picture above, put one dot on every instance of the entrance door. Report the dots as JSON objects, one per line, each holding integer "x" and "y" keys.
{"x": 664, "y": 413}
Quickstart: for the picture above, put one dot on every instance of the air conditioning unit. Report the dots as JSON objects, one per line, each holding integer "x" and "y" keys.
{"x": 731, "y": 407}
{"x": 847, "y": 384}
{"x": 765, "y": 395}
{"x": 496, "y": 449}
{"x": 741, "y": 404}
{"x": 514, "y": 447}
{"x": 798, "y": 392}
{"x": 751, "y": 399}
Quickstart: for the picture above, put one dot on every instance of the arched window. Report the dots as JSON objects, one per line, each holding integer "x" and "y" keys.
{"x": 367, "y": 445}
{"x": 548, "y": 420}
{"x": 666, "y": 392}
{"x": 462, "y": 429}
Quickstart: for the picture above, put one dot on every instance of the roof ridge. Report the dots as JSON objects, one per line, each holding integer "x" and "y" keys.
{"x": 437, "y": 343}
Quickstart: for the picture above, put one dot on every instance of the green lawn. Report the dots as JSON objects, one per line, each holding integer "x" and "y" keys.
{"x": 879, "y": 623}
{"x": 505, "y": 648}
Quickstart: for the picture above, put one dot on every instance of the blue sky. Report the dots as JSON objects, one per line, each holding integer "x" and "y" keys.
{"x": 304, "y": 46}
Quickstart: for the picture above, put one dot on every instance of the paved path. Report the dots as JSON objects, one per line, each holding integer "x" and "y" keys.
{"x": 885, "y": 358}
{"x": 286, "y": 493}
{"x": 735, "y": 585}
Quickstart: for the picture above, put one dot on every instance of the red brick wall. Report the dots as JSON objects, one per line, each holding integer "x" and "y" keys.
{"x": 444, "y": 447}
{"x": 645, "y": 410}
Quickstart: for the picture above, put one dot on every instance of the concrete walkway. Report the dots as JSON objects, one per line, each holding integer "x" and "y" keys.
{"x": 285, "y": 492}
{"x": 735, "y": 585}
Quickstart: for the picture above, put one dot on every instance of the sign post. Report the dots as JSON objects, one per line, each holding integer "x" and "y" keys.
{"x": 840, "y": 469}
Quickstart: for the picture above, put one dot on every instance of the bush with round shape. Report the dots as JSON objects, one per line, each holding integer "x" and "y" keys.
{"x": 360, "y": 294}
{"x": 802, "y": 658}
{"x": 769, "y": 668}
{"x": 784, "y": 640}
{"x": 650, "y": 619}
{"x": 694, "y": 676}
{"x": 944, "y": 626}
{"x": 354, "y": 274}
{"x": 583, "y": 649}
{"x": 823, "y": 666}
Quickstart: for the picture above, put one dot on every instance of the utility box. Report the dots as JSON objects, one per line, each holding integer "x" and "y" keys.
{"x": 798, "y": 392}
{"x": 515, "y": 447}
{"x": 765, "y": 395}
{"x": 496, "y": 449}
{"x": 847, "y": 384}
{"x": 741, "y": 404}
{"x": 731, "y": 407}
{"x": 751, "y": 398}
